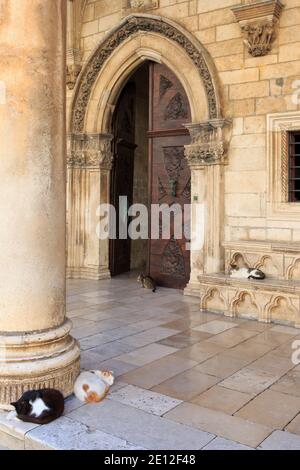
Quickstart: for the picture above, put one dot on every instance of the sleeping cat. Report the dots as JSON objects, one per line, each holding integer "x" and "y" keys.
{"x": 245, "y": 273}
{"x": 40, "y": 406}
{"x": 93, "y": 386}
{"x": 147, "y": 282}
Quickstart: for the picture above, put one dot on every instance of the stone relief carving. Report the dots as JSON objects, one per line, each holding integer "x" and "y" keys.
{"x": 164, "y": 85}
{"x": 213, "y": 300}
{"x": 73, "y": 70}
{"x": 258, "y": 21}
{"x": 259, "y": 37}
{"x": 176, "y": 108}
{"x": 174, "y": 161}
{"x": 245, "y": 304}
{"x": 173, "y": 260}
{"x": 130, "y": 27}
{"x": 90, "y": 151}
{"x": 208, "y": 142}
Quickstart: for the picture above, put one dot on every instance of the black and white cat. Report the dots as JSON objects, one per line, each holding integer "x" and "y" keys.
{"x": 40, "y": 406}
{"x": 245, "y": 273}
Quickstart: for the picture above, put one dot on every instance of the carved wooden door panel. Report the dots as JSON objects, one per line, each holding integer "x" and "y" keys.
{"x": 122, "y": 176}
{"x": 170, "y": 182}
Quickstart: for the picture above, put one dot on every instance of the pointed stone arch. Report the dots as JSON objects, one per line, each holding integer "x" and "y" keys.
{"x": 133, "y": 26}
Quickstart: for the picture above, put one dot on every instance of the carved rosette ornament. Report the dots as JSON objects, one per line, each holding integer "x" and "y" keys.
{"x": 258, "y": 23}
{"x": 90, "y": 151}
{"x": 129, "y": 27}
{"x": 208, "y": 142}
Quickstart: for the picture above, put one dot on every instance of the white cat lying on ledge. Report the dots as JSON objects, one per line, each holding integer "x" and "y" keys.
{"x": 245, "y": 273}
{"x": 93, "y": 386}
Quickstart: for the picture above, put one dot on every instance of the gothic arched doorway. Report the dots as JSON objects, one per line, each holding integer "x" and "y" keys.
{"x": 150, "y": 169}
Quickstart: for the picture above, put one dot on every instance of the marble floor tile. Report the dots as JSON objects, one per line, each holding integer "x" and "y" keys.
{"x": 185, "y": 339}
{"x": 221, "y": 366}
{"x": 249, "y": 381}
{"x": 200, "y": 352}
{"x": 289, "y": 384}
{"x": 288, "y": 330}
{"x": 273, "y": 409}
{"x": 248, "y": 350}
{"x": 232, "y": 337}
{"x": 216, "y": 326}
{"x": 141, "y": 428}
{"x": 281, "y": 440}
{"x": 272, "y": 338}
{"x": 221, "y": 424}
{"x": 222, "y": 399}
{"x": 186, "y": 385}
{"x": 142, "y": 356}
{"x": 149, "y": 401}
{"x": 220, "y": 443}
{"x": 294, "y": 425}
{"x": 274, "y": 364}
{"x": 158, "y": 371}
{"x": 68, "y": 434}
{"x": 113, "y": 349}
{"x": 146, "y": 337}
{"x": 116, "y": 366}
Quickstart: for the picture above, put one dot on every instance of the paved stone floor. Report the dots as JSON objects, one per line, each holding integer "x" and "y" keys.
{"x": 184, "y": 379}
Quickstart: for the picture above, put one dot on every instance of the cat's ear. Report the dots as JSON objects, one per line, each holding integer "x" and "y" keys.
{"x": 14, "y": 404}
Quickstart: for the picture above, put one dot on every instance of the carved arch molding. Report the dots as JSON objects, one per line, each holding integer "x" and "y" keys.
{"x": 130, "y": 26}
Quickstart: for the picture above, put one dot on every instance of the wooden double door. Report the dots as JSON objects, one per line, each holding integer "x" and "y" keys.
{"x": 169, "y": 177}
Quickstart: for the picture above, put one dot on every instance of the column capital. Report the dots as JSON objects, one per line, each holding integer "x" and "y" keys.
{"x": 90, "y": 151}
{"x": 208, "y": 142}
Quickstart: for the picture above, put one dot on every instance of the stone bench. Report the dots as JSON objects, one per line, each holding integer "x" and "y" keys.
{"x": 269, "y": 300}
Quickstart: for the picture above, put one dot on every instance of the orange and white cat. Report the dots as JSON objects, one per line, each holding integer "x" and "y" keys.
{"x": 93, "y": 386}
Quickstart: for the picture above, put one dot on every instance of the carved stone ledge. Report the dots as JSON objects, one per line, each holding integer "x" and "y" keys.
{"x": 90, "y": 151}
{"x": 258, "y": 23}
{"x": 208, "y": 142}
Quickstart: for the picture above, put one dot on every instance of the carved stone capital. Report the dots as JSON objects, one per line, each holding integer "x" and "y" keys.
{"x": 73, "y": 67}
{"x": 90, "y": 151}
{"x": 258, "y": 23}
{"x": 208, "y": 142}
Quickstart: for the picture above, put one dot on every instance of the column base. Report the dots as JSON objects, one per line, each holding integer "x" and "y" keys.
{"x": 30, "y": 361}
{"x": 192, "y": 289}
{"x": 93, "y": 274}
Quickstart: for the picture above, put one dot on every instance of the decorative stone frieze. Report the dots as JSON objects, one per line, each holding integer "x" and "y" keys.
{"x": 208, "y": 142}
{"x": 258, "y": 23}
{"x": 90, "y": 150}
{"x": 266, "y": 301}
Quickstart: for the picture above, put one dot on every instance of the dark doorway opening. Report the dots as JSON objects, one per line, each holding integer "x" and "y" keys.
{"x": 150, "y": 168}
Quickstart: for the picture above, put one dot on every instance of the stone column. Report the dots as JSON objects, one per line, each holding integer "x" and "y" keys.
{"x": 207, "y": 155}
{"x": 36, "y": 349}
{"x": 89, "y": 168}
